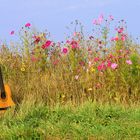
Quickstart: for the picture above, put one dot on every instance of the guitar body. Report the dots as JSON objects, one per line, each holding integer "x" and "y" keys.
{"x": 6, "y": 102}
{"x": 5, "y": 95}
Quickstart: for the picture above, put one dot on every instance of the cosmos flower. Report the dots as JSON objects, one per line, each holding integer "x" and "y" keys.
{"x": 114, "y": 39}
{"x": 120, "y": 30}
{"x": 47, "y": 44}
{"x": 65, "y": 50}
{"x": 27, "y": 24}
{"x": 12, "y": 32}
{"x": 129, "y": 62}
{"x": 95, "y": 21}
{"x": 123, "y": 37}
{"x": 114, "y": 65}
{"x": 99, "y": 20}
{"x": 101, "y": 67}
{"x": 108, "y": 63}
{"x": 96, "y": 59}
{"x": 74, "y": 44}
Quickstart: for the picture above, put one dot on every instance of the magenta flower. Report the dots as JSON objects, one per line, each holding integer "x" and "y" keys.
{"x": 96, "y": 59}
{"x": 109, "y": 63}
{"x": 120, "y": 30}
{"x": 111, "y": 56}
{"x": 101, "y": 67}
{"x": 67, "y": 41}
{"x": 123, "y": 37}
{"x": 114, "y": 39}
{"x": 129, "y": 62}
{"x": 27, "y": 25}
{"x": 65, "y": 50}
{"x": 74, "y": 44}
{"x": 48, "y": 43}
{"x": 12, "y": 32}
{"x": 114, "y": 65}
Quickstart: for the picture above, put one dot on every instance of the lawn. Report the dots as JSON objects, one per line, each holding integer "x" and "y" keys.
{"x": 89, "y": 121}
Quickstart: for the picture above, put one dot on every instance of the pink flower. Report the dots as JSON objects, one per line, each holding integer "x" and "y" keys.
{"x": 99, "y": 20}
{"x": 114, "y": 65}
{"x": 120, "y": 30}
{"x": 115, "y": 39}
{"x": 48, "y": 43}
{"x": 101, "y": 67}
{"x": 109, "y": 63}
{"x": 129, "y": 62}
{"x": 111, "y": 17}
{"x": 74, "y": 44}
{"x": 12, "y": 32}
{"x": 95, "y": 22}
{"x": 96, "y": 59}
{"x": 111, "y": 56}
{"x": 75, "y": 33}
{"x": 68, "y": 41}
{"x": 65, "y": 50}
{"x": 112, "y": 39}
{"x": 123, "y": 38}
{"x": 27, "y": 25}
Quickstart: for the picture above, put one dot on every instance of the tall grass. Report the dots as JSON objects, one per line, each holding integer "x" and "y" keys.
{"x": 79, "y": 69}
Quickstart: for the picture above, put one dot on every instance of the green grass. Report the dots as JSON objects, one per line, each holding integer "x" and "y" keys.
{"x": 88, "y": 121}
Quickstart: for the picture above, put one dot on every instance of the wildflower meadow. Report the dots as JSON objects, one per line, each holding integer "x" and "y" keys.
{"x": 84, "y": 87}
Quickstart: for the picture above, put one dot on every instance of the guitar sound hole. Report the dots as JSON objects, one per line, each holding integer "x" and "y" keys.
{"x": 3, "y": 95}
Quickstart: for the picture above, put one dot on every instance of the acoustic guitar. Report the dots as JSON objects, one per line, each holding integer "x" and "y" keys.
{"x": 5, "y": 95}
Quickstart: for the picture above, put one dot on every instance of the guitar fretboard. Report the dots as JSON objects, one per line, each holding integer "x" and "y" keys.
{"x": 1, "y": 82}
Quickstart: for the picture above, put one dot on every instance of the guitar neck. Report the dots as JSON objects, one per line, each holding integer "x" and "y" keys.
{"x": 1, "y": 82}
